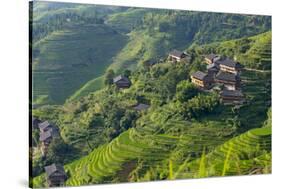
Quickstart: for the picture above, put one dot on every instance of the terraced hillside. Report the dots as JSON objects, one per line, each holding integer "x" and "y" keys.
{"x": 105, "y": 161}
{"x": 109, "y": 163}
{"x": 248, "y": 153}
{"x": 71, "y": 57}
{"x": 185, "y": 132}
{"x": 253, "y": 52}
{"x": 119, "y": 37}
{"x": 164, "y": 145}
{"x": 114, "y": 162}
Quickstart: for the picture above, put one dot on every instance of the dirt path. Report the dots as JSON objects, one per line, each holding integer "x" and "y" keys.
{"x": 255, "y": 70}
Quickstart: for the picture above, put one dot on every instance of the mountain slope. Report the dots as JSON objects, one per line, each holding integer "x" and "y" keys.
{"x": 165, "y": 143}
{"x": 118, "y": 38}
{"x": 241, "y": 155}
{"x": 69, "y": 58}
{"x": 248, "y": 153}
{"x": 253, "y": 52}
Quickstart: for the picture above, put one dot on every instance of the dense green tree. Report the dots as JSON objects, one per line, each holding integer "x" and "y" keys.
{"x": 97, "y": 121}
{"x": 146, "y": 65}
{"x": 37, "y": 166}
{"x": 59, "y": 151}
{"x": 185, "y": 91}
{"x": 200, "y": 105}
{"x": 128, "y": 120}
{"x": 243, "y": 45}
{"x": 127, "y": 73}
{"x": 108, "y": 78}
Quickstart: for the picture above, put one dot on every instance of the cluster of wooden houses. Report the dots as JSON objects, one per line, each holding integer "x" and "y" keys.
{"x": 222, "y": 74}
{"x": 55, "y": 174}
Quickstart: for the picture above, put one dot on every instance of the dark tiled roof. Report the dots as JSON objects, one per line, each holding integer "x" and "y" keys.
{"x": 141, "y": 106}
{"x": 226, "y": 76}
{"x": 176, "y": 53}
{"x": 211, "y": 56}
{"x": 44, "y": 125}
{"x": 232, "y": 93}
{"x": 199, "y": 75}
{"x": 45, "y": 135}
{"x": 54, "y": 168}
{"x": 51, "y": 132}
{"x": 120, "y": 77}
{"x": 228, "y": 62}
{"x": 212, "y": 66}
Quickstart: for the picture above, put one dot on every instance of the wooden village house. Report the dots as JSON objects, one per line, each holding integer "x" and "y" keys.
{"x": 232, "y": 96}
{"x": 45, "y": 138}
{"x": 229, "y": 80}
{"x": 55, "y": 175}
{"x": 122, "y": 82}
{"x": 228, "y": 65}
{"x": 211, "y": 58}
{"x": 45, "y": 126}
{"x": 47, "y": 133}
{"x": 177, "y": 56}
{"x": 201, "y": 80}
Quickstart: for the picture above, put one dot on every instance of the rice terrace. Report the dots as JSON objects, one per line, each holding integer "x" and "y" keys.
{"x": 126, "y": 94}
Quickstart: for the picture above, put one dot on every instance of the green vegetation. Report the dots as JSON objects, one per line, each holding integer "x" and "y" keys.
{"x": 253, "y": 52}
{"x": 70, "y": 58}
{"x": 185, "y": 132}
{"x": 74, "y": 44}
{"x": 90, "y": 86}
{"x": 248, "y": 153}
{"x": 185, "y": 91}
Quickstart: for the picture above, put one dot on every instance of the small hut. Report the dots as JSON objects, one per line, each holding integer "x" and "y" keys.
{"x": 177, "y": 56}
{"x": 55, "y": 175}
{"x": 46, "y": 138}
{"x": 45, "y": 126}
{"x": 122, "y": 82}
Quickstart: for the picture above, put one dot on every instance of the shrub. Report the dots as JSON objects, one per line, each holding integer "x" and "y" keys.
{"x": 185, "y": 91}
{"x": 200, "y": 105}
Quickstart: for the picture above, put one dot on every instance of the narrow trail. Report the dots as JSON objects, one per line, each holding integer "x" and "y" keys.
{"x": 256, "y": 70}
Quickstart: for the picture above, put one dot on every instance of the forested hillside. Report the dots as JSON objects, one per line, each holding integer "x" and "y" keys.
{"x": 73, "y": 45}
{"x": 185, "y": 132}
